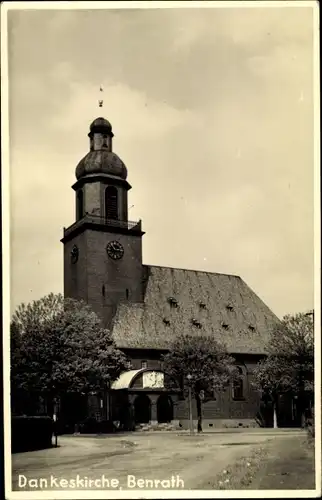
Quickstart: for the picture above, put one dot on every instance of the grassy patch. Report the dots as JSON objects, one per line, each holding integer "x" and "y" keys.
{"x": 277, "y": 464}
{"x": 242, "y": 472}
{"x": 289, "y": 465}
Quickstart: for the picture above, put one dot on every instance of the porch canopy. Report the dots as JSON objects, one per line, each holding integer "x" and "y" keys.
{"x": 151, "y": 379}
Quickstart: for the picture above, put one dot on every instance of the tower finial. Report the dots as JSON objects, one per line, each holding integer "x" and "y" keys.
{"x": 100, "y": 101}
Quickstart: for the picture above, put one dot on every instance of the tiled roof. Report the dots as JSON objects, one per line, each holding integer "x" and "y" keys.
{"x": 207, "y": 304}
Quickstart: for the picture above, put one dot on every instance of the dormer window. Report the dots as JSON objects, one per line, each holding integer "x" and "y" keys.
{"x": 225, "y": 326}
{"x": 202, "y": 305}
{"x": 251, "y": 328}
{"x": 166, "y": 321}
{"x": 229, "y": 307}
{"x": 196, "y": 323}
{"x": 173, "y": 302}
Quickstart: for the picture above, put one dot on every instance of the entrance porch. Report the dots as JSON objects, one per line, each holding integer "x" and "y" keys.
{"x": 143, "y": 396}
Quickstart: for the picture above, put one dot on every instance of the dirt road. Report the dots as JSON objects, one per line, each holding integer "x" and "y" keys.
{"x": 191, "y": 460}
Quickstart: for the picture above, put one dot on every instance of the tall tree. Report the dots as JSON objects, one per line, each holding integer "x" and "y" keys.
{"x": 207, "y": 363}
{"x": 58, "y": 346}
{"x": 289, "y": 366}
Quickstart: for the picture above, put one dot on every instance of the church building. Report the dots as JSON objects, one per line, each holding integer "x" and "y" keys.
{"x": 146, "y": 306}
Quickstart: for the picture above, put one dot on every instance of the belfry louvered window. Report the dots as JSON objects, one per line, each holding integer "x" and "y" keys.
{"x": 80, "y": 204}
{"x": 111, "y": 203}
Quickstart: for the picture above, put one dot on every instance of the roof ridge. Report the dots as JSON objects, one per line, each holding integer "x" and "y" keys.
{"x": 193, "y": 270}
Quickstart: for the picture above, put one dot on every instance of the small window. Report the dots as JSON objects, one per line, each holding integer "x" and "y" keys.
{"x": 202, "y": 305}
{"x": 127, "y": 294}
{"x": 225, "y": 326}
{"x": 105, "y": 141}
{"x": 103, "y": 290}
{"x": 251, "y": 328}
{"x": 229, "y": 307}
{"x": 166, "y": 321}
{"x": 238, "y": 386}
{"x": 144, "y": 364}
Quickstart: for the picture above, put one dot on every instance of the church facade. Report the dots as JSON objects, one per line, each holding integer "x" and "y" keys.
{"x": 146, "y": 306}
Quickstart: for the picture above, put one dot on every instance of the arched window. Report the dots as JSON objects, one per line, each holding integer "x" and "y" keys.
{"x": 80, "y": 204}
{"x": 238, "y": 386}
{"x": 111, "y": 203}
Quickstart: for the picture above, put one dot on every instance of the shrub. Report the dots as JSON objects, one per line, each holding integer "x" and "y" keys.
{"x": 31, "y": 433}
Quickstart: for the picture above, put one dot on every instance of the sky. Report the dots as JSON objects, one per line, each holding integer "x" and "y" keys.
{"x": 212, "y": 111}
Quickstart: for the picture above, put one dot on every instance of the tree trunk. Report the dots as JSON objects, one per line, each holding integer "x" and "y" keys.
{"x": 199, "y": 413}
{"x": 275, "y": 426}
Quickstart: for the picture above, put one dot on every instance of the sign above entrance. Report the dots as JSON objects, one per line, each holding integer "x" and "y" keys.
{"x": 153, "y": 380}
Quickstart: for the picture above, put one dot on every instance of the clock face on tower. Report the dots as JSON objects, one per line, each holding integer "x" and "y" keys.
{"x": 115, "y": 250}
{"x": 74, "y": 254}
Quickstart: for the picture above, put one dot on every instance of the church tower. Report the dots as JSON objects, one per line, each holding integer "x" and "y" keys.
{"x": 102, "y": 249}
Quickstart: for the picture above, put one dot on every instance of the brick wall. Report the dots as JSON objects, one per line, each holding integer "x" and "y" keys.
{"x": 116, "y": 276}
{"x": 75, "y": 275}
{"x": 99, "y": 280}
